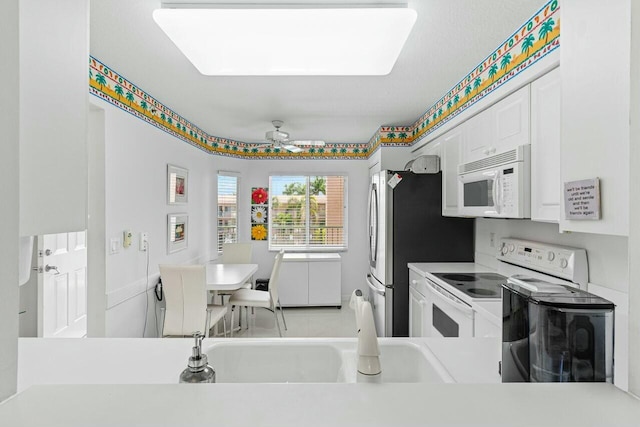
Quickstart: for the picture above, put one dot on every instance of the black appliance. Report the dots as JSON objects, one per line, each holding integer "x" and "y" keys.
{"x": 555, "y": 333}
{"x": 406, "y": 225}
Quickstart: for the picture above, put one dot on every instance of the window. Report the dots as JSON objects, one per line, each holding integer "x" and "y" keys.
{"x": 227, "y": 209}
{"x": 307, "y": 212}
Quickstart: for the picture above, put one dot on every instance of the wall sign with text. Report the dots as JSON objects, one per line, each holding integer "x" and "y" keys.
{"x": 582, "y": 199}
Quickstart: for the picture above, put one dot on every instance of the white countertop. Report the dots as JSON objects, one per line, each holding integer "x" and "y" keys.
{"x": 283, "y": 405}
{"x": 471, "y": 361}
{"x": 308, "y": 257}
{"x": 423, "y": 268}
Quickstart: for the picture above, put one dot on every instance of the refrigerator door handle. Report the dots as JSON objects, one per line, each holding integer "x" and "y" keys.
{"x": 373, "y": 287}
{"x": 372, "y": 220}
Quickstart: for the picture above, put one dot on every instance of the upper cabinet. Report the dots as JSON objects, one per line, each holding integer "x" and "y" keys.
{"x": 501, "y": 127}
{"x": 595, "y": 108}
{"x": 54, "y": 54}
{"x": 545, "y": 147}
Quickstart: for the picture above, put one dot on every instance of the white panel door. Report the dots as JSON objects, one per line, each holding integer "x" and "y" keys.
{"x": 325, "y": 286}
{"x": 511, "y": 116}
{"x": 479, "y": 132}
{"x": 62, "y": 285}
{"x": 452, "y": 141}
{"x": 545, "y": 147}
{"x": 293, "y": 284}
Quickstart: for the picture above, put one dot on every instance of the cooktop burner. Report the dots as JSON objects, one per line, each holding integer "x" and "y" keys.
{"x": 475, "y": 285}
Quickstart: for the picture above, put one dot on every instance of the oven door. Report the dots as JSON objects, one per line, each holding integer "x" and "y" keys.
{"x": 449, "y": 316}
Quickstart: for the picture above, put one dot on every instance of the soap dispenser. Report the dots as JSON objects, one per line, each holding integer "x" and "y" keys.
{"x": 198, "y": 370}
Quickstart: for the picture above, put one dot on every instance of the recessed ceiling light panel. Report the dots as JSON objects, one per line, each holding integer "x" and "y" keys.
{"x": 289, "y": 42}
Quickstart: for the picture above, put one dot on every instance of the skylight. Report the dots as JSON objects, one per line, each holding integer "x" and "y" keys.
{"x": 289, "y": 42}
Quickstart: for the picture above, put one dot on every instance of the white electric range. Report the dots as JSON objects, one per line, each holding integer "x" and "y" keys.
{"x": 464, "y": 299}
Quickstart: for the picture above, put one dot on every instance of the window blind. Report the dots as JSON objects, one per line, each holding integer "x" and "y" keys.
{"x": 227, "y": 209}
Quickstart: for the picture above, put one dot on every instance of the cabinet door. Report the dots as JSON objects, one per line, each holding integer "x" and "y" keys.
{"x": 53, "y": 116}
{"x": 545, "y": 147}
{"x": 450, "y": 159}
{"x": 325, "y": 286}
{"x": 293, "y": 286}
{"x": 478, "y": 137}
{"x": 511, "y": 117}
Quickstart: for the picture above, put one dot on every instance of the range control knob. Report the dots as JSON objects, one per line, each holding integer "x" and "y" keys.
{"x": 512, "y": 247}
{"x": 503, "y": 249}
{"x": 563, "y": 263}
{"x": 551, "y": 256}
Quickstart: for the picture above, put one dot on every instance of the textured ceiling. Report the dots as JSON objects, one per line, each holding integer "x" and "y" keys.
{"x": 449, "y": 39}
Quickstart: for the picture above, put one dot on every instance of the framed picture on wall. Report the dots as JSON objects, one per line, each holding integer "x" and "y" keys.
{"x": 177, "y": 232}
{"x": 177, "y": 185}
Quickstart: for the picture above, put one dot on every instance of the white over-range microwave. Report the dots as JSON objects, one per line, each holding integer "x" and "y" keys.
{"x": 497, "y": 186}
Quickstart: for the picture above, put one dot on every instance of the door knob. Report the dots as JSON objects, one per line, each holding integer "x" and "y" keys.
{"x": 47, "y": 252}
{"x": 48, "y": 268}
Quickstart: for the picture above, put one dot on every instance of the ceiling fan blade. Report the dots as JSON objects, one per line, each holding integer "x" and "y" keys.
{"x": 291, "y": 148}
{"x": 311, "y": 142}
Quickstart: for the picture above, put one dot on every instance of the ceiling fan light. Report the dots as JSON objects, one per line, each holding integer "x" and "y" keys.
{"x": 323, "y": 41}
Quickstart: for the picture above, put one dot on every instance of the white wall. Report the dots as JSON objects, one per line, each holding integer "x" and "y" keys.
{"x": 9, "y": 194}
{"x": 136, "y": 158}
{"x": 634, "y": 205}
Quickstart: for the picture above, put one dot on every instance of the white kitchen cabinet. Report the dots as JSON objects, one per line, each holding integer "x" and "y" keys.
{"x": 449, "y": 161}
{"x": 54, "y": 105}
{"x": 595, "y": 109}
{"x": 511, "y": 117}
{"x": 545, "y": 147}
{"x": 313, "y": 279}
{"x": 501, "y": 127}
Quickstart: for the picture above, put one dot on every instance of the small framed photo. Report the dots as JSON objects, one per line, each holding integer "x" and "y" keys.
{"x": 177, "y": 232}
{"x": 177, "y": 185}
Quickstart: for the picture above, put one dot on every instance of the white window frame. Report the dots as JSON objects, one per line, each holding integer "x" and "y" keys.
{"x": 235, "y": 175}
{"x": 345, "y": 209}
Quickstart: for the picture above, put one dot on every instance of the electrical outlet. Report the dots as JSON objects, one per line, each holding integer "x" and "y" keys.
{"x": 492, "y": 240}
{"x": 126, "y": 238}
{"x": 144, "y": 241}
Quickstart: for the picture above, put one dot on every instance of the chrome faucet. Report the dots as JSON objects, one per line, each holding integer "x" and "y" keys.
{"x": 369, "y": 369}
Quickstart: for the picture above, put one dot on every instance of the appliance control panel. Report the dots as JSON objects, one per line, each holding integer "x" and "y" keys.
{"x": 560, "y": 261}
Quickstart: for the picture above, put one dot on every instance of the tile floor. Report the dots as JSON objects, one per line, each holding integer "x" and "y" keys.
{"x": 301, "y": 322}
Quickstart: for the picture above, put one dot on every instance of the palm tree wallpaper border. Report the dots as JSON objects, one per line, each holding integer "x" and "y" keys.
{"x": 538, "y": 37}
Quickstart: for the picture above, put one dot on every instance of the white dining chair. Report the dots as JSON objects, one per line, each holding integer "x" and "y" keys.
{"x": 254, "y": 298}
{"x": 236, "y": 253}
{"x": 186, "y": 308}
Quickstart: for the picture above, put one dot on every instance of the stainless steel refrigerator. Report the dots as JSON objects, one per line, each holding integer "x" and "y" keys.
{"x": 406, "y": 225}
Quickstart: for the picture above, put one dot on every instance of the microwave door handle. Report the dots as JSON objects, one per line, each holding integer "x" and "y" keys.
{"x": 457, "y": 304}
{"x": 495, "y": 191}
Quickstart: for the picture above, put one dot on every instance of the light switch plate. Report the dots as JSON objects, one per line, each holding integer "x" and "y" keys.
{"x": 114, "y": 245}
{"x": 144, "y": 241}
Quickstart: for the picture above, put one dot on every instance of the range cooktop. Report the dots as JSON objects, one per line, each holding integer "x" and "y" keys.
{"x": 475, "y": 285}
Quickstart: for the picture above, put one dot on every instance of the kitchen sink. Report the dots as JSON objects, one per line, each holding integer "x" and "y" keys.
{"x": 319, "y": 361}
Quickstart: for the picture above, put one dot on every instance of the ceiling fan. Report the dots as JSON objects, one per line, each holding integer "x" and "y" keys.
{"x": 280, "y": 139}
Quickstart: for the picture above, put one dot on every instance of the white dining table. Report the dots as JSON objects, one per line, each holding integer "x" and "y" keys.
{"x": 228, "y": 277}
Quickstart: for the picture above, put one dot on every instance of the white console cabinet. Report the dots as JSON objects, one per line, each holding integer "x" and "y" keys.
{"x": 310, "y": 279}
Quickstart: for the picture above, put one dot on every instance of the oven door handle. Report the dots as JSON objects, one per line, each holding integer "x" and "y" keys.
{"x": 373, "y": 287}
{"x": 450, "y": 299}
